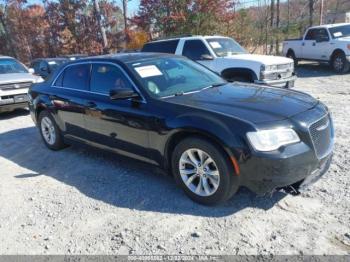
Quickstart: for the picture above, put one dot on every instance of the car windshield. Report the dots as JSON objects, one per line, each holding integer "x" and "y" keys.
{"x": 169, "y": 76}
{"x": 11, "y": 66}
{"x": 225, "y": 47}
{"x": 340, "y": 31}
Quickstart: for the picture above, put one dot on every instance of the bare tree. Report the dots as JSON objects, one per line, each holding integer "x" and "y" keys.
{"x": 125, "y": 17}
{"x": 100, "y": 24}
{"x": 277, "y": 25}
{"x": 9, "y": 40}
{"x": 311, "y": 11}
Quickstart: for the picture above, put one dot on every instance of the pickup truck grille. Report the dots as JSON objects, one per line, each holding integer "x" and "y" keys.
{"x": 321, "y": 133}
{"x": 15, "y": 86}
{"x": 284, "y": 67}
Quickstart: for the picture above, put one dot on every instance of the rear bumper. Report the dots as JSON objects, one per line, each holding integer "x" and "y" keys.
{"x": 288, "y": 82}
{"x": 297, "y": 164}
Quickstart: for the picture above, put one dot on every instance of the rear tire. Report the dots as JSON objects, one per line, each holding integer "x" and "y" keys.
{"x": 339, "y": 63}
{"x": 50, "y": 132}
{"x": 204, "y": 171}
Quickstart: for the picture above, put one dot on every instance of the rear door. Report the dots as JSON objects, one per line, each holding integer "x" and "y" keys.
{"x": 69, "y": 98}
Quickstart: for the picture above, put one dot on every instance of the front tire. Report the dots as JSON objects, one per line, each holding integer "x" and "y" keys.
{"x": 339, "y": 63}
{"x": 50, "y": 132}
{"x": 204, "y": 171}
{"x": 291, "y": 55}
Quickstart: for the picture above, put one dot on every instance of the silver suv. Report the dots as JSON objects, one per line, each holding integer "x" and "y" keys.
{"x": 15, "y": 79}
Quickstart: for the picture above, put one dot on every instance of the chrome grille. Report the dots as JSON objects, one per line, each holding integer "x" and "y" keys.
{"x": 321, "y": 133}
{"x": 14, "y": 86}
{"x": 284, "y": 67}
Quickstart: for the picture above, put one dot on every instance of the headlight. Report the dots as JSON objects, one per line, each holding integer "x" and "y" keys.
{"x": 269, "y": 140}
{"x": 269, "y": 68}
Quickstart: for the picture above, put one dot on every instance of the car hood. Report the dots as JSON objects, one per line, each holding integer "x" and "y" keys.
{"x": 253, "y": 103}
{"x": 344, "y": 39}
{"x": 262, "y": 59}
{"x": 18, "y": 78}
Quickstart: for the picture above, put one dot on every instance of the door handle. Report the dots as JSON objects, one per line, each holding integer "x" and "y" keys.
{"x": 313, "y": 44}
{"x": 302, "y": 44}
{"x": 91, "y": 104}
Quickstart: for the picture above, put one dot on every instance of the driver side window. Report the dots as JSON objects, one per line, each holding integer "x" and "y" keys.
{"x": 195, "y": 49}
{"x": 106, "y": 77}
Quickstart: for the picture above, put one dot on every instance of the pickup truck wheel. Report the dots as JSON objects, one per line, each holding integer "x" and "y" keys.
{"x": 203, "y": 171}
{"x": 50, "y": 132}
{"x": 291, "y": 55}
{"x": 340, "y": 64}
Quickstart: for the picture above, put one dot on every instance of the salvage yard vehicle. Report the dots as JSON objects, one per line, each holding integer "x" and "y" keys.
{"x": 212, "y": 135}
{"x": 226, "y": 57}
{"x": 324, "y": 43}
{"x": 15, "y": 79}
{"x": 45, "y": 66}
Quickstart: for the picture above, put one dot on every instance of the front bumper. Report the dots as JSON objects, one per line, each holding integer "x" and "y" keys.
{"x": 264, "y": 174}
{"x": 11, "y": 102}
{"x": 285, "y": 82}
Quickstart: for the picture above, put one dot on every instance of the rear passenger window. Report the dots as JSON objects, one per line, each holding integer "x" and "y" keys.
{"x": 104, "y": 78}
{"x": 195, "y": 49}
{"x": 77, "y": 77}
{"x": 161, "y": 47}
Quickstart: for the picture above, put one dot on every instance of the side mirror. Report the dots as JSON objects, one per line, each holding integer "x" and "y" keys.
{"x": 31, "y": 71}
{"x": 207, "y": 57}
{"x": 122, "y": 93}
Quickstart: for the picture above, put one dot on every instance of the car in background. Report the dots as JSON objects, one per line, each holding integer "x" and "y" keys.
{"x": 74, "y": 57}
{"x": 45, "y": 66}
{"x": 212, "y": 135}
{"x": 226, "y": 57}
{"x": 325, "y": 43}
{"x": 15, "y": 80}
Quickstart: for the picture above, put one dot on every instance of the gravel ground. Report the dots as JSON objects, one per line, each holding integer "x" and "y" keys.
{"x": 80, "y": 201}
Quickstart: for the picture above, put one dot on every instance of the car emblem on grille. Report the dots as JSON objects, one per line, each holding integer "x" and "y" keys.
{"x": 323, "y": 127}
{"x": 16, "y": 86}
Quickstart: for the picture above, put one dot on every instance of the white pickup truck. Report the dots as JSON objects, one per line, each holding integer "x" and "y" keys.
{"x": 325, "y": 43}
{"x": 15, "y": 80}
{"x": 226, "y": 57}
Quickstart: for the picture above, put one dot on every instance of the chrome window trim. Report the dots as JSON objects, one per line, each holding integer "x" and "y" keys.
{"x": 143, "y": 100}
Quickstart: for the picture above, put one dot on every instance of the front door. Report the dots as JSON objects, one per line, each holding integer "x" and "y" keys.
{"x": 120, "y": 125}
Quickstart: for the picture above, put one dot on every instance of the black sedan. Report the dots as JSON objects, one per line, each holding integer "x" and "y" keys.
{"x": 212, "y": 136}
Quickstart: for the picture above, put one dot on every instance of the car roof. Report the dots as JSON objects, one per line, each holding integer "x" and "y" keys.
{"x": 125, "y": 57}
{"x": 188, "y": 37}
{"x": 51, "y": 59}
{"x": 329, "y": 25}
{"x": 6, "y": 57}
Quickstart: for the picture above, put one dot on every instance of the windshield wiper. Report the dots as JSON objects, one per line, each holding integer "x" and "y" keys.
{"x": 216, "y": 85}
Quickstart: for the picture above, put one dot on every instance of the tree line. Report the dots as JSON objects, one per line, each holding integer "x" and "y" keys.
{"x": 59, "y": 27}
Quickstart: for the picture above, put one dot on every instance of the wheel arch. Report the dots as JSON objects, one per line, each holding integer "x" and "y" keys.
{"x": 243, "y": 72}
{"x": 336, "y": 51}
{"x": 184, "y": 133}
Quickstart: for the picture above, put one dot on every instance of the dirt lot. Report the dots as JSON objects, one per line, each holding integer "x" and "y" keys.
{"x": 80, "y": 201}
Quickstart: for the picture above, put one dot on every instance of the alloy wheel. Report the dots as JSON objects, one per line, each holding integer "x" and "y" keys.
{"x": 48, "y": 130}
{"x": 199, "y": 172}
